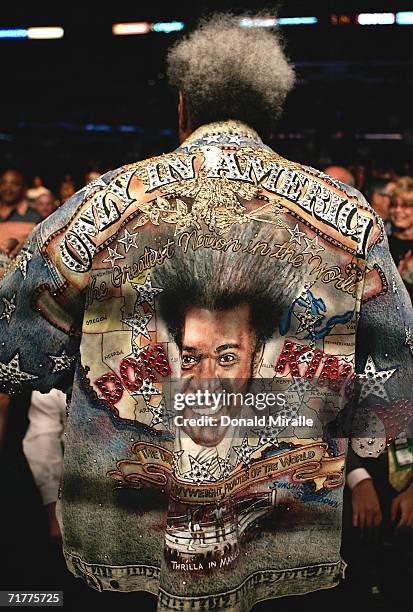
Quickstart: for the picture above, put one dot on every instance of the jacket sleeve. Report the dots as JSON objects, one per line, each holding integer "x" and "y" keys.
{"x": 40, "y": 313}
{"x": 384, "y": 356}
{"x": 42, "y": 296}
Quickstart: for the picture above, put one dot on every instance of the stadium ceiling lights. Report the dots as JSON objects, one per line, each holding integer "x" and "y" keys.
{"x": 13, "y": 33}
{"x": 292, "y": 21}
{"x": 404, "y": 18}
{"x": 376, "y": 19}
{"x": 258, "y": 22}
{"x": 143, "y": 27}
{"x": 125, "y": 29}
{"x": 46, "y": 33}
{"x": 166, "y": 27}
{"x": 270, "y": 22}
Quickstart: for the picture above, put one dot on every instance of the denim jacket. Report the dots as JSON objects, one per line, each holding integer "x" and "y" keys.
{"x": 219, "y": 267}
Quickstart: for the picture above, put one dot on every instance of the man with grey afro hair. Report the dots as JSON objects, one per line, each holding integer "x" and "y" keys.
{"x": 225, "y": 71}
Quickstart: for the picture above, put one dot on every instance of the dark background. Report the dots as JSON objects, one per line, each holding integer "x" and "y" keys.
{"x": 65, "y": 103}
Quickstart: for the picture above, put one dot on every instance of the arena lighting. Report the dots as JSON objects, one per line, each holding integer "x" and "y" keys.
{"x": 270, "y": 22}
{"x": 376, "y": 18}
{"x": 404, "y": 18}
{"x": 258, "y": 22}
{"x": 98, "y": 127}
{"x": 387, "y": 136}
{"x": 48, "y": 33}
{"x": 133, "y": 129}
{"x": 292, "y": 21}
{"x": 123, "y": 29}
{"x": 13, "y": 33}
{"x": 168, "y": 26}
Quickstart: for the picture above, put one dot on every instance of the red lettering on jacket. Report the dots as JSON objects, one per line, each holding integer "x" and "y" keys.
{"x": 132, "y": 372}
{"x": 332, "y": 372}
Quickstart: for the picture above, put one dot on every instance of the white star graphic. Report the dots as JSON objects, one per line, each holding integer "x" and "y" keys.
{"x": 157, "y": 414}
{"x": 234, "y": 138}
{"x": 113, "y": 256}
{"x": 138, "y": 323}
{"x": 147, "y": 390}
{"x": 307, "y": 320}
{"x": 267, "y": 435}
{"x": 295, "y": 234}
{"x": 211, "y": 139}
{"x": 301, "y": 386}
{"x": 303, "y": 293}
{"x": 244, "y": 451}
{"x": 226, "y": 468}
{"x": 11, "y": 371}
{"x": 62, "y": 361}
{"x": 199, "y": 472}
{"x": 22, "y": 261}
{"x": 9, "y": 308}
{"x": 188, "y": 148}
{"x": 372, "y": 380}
{"x": 146, "y": 293}
{"x": 176, "y": 456}
{"x": 312, "y": 245}
{"x": 129, "y": 240}
{"x": 161, "y": 414}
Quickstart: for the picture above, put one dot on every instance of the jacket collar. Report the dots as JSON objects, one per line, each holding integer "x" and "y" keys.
{"x": 223, "y": 132}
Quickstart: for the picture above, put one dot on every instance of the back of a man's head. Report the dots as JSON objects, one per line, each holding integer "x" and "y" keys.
{"x": 377, "y": 186}
{"x": 341, "y": 174}
{"x": 226, "y": 71}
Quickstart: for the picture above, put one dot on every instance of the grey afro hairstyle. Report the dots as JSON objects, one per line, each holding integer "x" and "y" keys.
{"x": 221, "y": 280}
{"x": 226, "y": 71}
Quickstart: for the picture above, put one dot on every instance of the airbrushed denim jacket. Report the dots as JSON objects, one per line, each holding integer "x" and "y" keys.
{"x": 219, "y": 263}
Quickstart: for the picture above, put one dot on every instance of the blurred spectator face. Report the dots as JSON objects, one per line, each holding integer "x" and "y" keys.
{"x": 390, "y": 187}
{"x": 359, "y": 177}
{"x": 37, "y": 181}
{"x": 12, "y": 188}
{"x": 45, "y": 205}
{"x": 380, "y": 201}
{"x": 67, "y": 189}
{"x": 91, "y": 176}
{"x": 401, "y": 211}
{"x": 341, "y": 174}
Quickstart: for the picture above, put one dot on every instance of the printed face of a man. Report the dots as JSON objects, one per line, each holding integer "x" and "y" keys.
{"x": 218, "y": 350}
